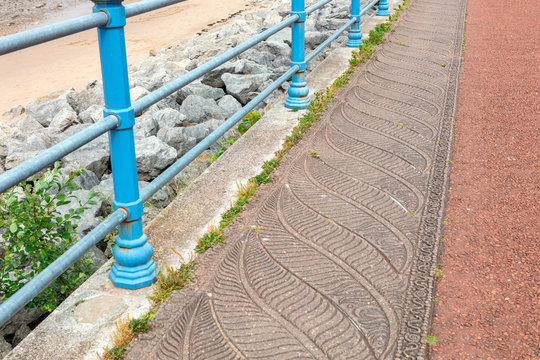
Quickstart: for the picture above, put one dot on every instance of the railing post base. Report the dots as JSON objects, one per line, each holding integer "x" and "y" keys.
{"x": 133, "y": 277}
{"x": 383, "y": 8}
{"x": 298, "y": 93}
{"x": 355, "y": 39}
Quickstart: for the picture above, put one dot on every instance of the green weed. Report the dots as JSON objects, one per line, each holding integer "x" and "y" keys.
{"x": 431, "y": 340}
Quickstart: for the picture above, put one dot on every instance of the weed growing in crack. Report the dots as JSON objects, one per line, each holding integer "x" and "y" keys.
{"x": 437, "y": 273}
{"x": 431, "y": 340}
{"x": 399, "y": 43}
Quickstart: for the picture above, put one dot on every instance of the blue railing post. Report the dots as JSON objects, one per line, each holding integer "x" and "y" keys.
{"x": 355, "y": 36}
{"x": 383, "y": 8}
{"x": 298, "y": 90}
{"x": 134, "y": 267}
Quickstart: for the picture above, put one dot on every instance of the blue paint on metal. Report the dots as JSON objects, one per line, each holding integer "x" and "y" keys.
{"x": 16, "y": 302}
{"x": 134, "y": 267}
{"x": 185, "y": 160}
{"x": 41, "y": 161}
{"x": 328, "y": 41}
{"x": 298, "y": 90}
{"x": 383, "y": 8}
{"x": 355, "y": 35}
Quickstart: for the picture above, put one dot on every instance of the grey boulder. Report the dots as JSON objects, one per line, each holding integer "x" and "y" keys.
{"x": 64, "y": 119}
{"x": 242, "y": 87}
{"x": 200, "y": 89}
{"x": 153, "y": 156}
{"x": 229, "y": 104}
{"x": 198, "y": 109}
{"x": 43, "y": 110}
{"x": 169, "y": 118}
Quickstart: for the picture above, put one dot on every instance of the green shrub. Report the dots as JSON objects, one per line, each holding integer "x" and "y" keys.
{"x": 36, "y": 233}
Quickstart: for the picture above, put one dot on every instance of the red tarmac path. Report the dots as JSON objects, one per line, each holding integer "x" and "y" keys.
{"x": 488, "y": 302}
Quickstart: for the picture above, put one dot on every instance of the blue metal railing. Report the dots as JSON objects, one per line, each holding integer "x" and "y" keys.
{"x": 134, "y": 267}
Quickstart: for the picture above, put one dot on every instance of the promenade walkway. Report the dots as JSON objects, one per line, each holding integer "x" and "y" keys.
{"x": 334, "y": 259}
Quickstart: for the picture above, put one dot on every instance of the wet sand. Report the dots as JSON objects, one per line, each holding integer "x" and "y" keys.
{"x": 74, "y": 60}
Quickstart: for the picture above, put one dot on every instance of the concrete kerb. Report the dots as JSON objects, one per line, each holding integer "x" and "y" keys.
{"x": 83, "y": 324}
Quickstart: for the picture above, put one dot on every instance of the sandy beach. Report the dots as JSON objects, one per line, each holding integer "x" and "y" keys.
{"x": 74, "y": 60}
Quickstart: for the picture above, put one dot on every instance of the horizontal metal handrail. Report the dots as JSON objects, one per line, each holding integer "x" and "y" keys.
{"x": 39, "y": 162}
{"x": 40, "y": 35}
{"x": 167, "y": 89}
{"x": 141, "y": 7}
{"x": 131, "y": 243}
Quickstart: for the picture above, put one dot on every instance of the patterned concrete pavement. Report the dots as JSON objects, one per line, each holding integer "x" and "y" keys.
{"x": 340, "y": 264}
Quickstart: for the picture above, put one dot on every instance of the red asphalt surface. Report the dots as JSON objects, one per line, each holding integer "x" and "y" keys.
{"x": 488, "y": 302}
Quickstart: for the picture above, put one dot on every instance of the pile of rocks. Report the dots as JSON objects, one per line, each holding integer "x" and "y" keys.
{"x": 167, "y": 130}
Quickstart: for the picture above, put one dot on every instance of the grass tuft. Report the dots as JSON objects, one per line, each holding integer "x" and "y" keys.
{"x": 437, "y": 273}
{"x": 123, "y": 336}
{"x": 399, "y": 43}
{"x": 169, "y": 280}
{"x": 431, "y": 340}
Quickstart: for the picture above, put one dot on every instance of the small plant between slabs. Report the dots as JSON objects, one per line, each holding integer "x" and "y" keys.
{"x": 225, "y": 144}
{"x": 437, "y": 273}
{"x": 126, "y": 330}
{"x": 213, "y": 237}
{"x": 247, "y": 122}
{"x": 314, "y": 154}
{"x": 431, "y": 340}
{"x": 167, "y": 281}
